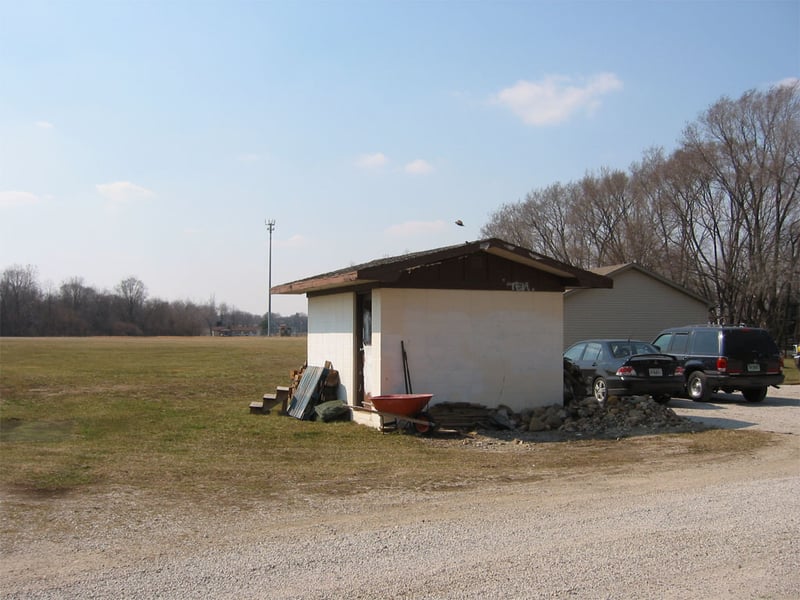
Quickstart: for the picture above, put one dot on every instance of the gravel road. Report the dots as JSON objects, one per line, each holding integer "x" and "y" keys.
{"x": 725, "y": 529}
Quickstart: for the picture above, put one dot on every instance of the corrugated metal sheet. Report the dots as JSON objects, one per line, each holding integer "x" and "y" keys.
{"x": 308, "y": 392}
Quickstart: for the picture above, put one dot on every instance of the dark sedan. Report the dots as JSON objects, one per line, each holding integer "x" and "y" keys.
{"x": 627, "y": 368}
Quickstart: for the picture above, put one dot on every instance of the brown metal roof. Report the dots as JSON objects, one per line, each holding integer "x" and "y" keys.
{"x": 389, "y": 270}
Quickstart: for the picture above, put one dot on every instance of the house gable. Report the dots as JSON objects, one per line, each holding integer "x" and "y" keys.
{"x": 639, "y": 306}
{"x": 477, "y": 272}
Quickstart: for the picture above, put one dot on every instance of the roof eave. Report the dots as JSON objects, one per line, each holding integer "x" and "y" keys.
{"x": 316, "y": 284}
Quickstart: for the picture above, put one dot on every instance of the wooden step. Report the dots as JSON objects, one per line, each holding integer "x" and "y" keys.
{"x": 269, "y": 401}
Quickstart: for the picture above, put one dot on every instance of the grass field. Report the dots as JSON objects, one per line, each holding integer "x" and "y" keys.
{"x": 790, "y": 371}
{"x": 170, "y": 415}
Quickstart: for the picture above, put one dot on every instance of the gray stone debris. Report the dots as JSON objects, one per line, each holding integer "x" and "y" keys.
{"x": 617, "y": 415}
{"x": 587, "y": 417}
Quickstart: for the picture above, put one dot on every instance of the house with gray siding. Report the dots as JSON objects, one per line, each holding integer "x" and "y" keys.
{"x": 639, "y": 306}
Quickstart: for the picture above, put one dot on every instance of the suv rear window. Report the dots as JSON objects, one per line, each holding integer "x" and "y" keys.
{"x": 738, "y": 342}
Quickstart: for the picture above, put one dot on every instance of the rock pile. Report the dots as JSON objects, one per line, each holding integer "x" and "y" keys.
{"x": 614, "y": 417}
{"x": 580, "y": 418}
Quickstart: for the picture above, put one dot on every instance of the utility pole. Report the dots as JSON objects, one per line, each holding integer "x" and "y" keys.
{"x": 270, "y": 227}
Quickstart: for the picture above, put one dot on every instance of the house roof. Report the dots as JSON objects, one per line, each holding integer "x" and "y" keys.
{"x": 389, "y": 270}
{"x": 614, "y": 270}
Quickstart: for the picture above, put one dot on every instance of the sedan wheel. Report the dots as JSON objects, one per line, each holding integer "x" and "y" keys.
{"x": 600, "y": 390}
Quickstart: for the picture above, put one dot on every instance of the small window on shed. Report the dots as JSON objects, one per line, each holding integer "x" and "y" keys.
{"x": 366, "y": 318}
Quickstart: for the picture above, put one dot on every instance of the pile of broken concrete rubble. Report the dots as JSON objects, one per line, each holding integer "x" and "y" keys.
{"x": 615, "y": 416}
{"x": 586, "y": 417}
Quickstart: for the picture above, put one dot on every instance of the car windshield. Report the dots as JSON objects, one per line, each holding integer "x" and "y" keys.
{"x": 628, "y": 348}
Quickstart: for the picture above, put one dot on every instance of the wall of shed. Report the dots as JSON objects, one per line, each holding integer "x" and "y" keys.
{"x": 638, "y": 307}
{"x": 331, "y": 336}
{"x": 486, "y": 347}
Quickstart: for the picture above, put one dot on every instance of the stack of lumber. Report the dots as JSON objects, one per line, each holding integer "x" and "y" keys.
{"x": 460, "y": 415}
{"x": 330, "y": 385}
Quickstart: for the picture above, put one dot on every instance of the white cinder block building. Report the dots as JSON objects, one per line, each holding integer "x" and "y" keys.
{"x": 481, "y": 322}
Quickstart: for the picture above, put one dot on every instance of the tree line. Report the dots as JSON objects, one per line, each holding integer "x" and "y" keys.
{"x": 720, "y": 215}
{"x": 77, "y": 309}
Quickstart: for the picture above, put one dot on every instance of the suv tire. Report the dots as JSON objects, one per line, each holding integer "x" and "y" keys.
{"x": 755, "y": 394}
{"x": 697, "y": 387}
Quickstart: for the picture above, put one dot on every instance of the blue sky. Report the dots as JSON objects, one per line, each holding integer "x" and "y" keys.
{"x": 153, "y": 139}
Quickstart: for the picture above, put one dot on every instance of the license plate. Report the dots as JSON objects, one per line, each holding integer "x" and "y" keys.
{"x": 655, "y": 372}
{"x": 753, "y": 367}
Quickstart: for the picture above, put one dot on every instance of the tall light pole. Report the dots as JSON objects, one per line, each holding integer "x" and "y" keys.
{"x": 270, "y": 227}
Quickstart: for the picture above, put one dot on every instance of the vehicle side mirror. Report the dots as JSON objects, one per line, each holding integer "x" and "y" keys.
{"x": 657, "y": 347}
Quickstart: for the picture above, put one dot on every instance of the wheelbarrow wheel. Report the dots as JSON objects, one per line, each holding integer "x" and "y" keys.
{"x": 406, "y": 426}
{"x": 426, "y": 428}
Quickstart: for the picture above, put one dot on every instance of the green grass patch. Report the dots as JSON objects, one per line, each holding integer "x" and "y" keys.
{"x": 790, "y": 372}
{"x": 170, "y": 415}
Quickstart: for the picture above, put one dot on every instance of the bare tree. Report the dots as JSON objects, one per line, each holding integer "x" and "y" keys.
{"x": 132, "y": 293}
{"x": 20, "y": 297}
{"x": 540, "y": 223}
{"x": 720, "y": 215}
{"x": 743, "y": 156}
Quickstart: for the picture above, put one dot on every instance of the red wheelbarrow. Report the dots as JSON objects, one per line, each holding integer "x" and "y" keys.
{"x": 408, "y": 410}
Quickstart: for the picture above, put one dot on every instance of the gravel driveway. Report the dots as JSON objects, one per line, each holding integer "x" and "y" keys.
{"x": 729, "y": 528}
{"x": 777, "y": 413}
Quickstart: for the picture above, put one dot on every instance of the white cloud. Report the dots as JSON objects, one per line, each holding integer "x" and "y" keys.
{"x": 418, "y": 167}
{"x": 295, "y": 241}
{"x": 555, "y": 98}
{"x": 789, "y": 82}
{"x": 410, "y": 228}
{"x": 44, "y": 125}
{"x": 123, "y": 191}
{"x": 372, "y": 161}
{"x": 14, "y": 198}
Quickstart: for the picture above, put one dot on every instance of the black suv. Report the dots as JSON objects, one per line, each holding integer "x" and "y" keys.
{"x": 724, "y": 357}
